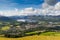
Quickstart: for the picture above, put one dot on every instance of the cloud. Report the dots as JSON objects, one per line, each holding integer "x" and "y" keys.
{"x": 46, "y": 9}
{"x": 51, "y": 10}
{"x": 28, "y": 11}
{"x": 16, "y": 12}
{"x": 51, "y": 2}
{"x": 8, "y": 13}
{"x": 57, "y": 6}
{"x": 45, "y": 5}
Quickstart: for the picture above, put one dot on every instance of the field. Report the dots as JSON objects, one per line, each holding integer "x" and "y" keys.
{"x": 35, "y": 37}
{"x": 43, "y": 36}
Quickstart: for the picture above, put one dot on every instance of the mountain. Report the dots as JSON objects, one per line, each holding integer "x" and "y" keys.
{"x": 39, "y": 17}
{"x": 19, "y": 17}
{"x": 5, "y": 19}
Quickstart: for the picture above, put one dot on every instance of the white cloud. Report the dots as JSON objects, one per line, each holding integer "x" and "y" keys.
{"x": 57, "y": 6}
{"x": 9, "y": 13}
{"x": 45, "y": 5}
{"x": 50, "y": 10}
{"x": 26, "y": 11}
{"x": 45, "y": 10}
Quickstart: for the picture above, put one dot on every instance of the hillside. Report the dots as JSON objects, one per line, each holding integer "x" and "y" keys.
{"x": 39, "y": 17}
{"x": 35, "y": 37}
{"x": 5, "y": 19}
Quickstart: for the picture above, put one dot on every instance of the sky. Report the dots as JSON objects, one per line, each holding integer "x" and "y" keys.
{"x": 11, "y": 4}
{"x": 29, "y": 7}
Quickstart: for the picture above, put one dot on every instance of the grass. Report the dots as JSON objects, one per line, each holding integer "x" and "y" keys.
{"x": 50, "y": 36}
{"x": 5, "y": 28}
{"x": 34, "y": 37}
{"x": 33, "y": 32}
{"x": 46, "y": 33}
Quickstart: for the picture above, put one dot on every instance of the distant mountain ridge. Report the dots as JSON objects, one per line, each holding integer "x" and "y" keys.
{"x": 5, "y": 19}
{"x": 32, "y": 17}
{"x": 27, "y": 17}
{"x": 39, "y": 17}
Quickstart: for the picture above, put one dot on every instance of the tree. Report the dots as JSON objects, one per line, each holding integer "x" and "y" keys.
{"x": 14, "y": 32}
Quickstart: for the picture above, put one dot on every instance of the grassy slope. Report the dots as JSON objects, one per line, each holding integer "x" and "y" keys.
{"x": 46, "y": 33}
{"x": 43, "y": 36}
{"x": 51, "y": 34}
{"x": 35, "y": 37}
